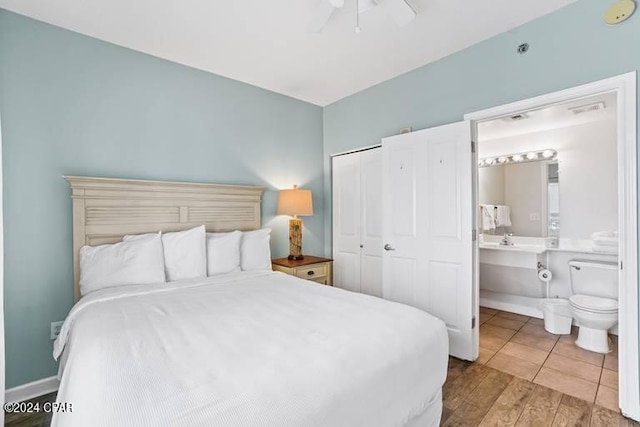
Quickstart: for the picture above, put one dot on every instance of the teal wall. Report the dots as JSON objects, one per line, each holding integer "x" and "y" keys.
{"x": 569, "y": 47}
{"x": 73, "y": 105}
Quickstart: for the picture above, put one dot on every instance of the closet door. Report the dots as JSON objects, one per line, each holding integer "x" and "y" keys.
{"x": 346, "y": 222}
{"x": 371, "y": 221}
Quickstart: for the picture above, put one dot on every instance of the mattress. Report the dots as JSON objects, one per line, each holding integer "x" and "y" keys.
{"x": 248, "y": 349}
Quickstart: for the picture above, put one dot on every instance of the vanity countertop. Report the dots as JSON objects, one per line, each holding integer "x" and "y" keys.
{"x": 536, "y": 249}
{"x": 527, "y": 244}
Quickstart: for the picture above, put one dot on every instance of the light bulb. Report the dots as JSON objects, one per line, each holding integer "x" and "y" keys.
{"x": 547, "y": 154}
{"x": 517, "y": 157}
{"x": 502, "y": 159}
{"x": 489, "y": 161}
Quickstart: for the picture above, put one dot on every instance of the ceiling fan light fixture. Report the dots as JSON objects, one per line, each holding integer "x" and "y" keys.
{"x": 400, "y": 12}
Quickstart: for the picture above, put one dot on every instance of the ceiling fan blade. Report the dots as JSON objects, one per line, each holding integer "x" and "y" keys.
{"x": 400, "y": 11}
{"x": 322, "y": 14}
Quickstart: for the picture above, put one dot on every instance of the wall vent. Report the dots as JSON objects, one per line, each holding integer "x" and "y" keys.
{"x": 517, "y": 117}
{"x": 598, "y": 106}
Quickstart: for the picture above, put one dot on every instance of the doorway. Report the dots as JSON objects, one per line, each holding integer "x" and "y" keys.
{"x": 546, "y": 221}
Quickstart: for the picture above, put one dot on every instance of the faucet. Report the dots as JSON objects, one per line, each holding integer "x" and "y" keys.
{"x": 506, "y": 240}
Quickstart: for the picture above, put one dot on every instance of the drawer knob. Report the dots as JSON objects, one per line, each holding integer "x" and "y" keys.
{"x": 310, "y": 273}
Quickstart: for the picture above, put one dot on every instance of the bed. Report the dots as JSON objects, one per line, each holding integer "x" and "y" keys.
{"x": 237, "y": 349}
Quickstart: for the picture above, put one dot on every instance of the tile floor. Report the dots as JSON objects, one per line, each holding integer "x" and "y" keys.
{"x": 520, "y": 346}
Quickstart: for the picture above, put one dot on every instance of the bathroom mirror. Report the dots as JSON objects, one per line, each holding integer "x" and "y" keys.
{"x": 519, "y": 194}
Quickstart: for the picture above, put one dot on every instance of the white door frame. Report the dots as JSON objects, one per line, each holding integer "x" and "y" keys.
{"x": 629, "y": 339}
{"x": 2, "y": 370}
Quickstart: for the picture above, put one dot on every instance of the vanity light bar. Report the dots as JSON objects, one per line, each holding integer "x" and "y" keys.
{"x": 529, "y": 156}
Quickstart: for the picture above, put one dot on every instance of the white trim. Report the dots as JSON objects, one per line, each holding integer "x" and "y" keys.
{"x": 629, "y": 338}
{"x": 32, "y": 389}
{"x": 2, "y": 361}
{"x": 357, "y": 150}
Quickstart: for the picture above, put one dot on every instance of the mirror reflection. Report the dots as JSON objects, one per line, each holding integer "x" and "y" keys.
{"x": 519, "y": 194}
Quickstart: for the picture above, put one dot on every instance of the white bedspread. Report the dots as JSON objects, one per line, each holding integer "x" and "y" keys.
{"x": 247, "y": 349}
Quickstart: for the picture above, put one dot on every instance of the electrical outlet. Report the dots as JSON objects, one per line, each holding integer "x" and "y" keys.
{"x": 55, "y": 329}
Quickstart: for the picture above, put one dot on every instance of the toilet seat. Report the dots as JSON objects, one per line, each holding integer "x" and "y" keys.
{"x": 594, "y": 304}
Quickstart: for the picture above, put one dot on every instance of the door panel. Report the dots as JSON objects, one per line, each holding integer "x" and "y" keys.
{"x": 404, "y": 272}
{"x": 346, "y": 222}
{"x": 399, "y": 268}
{"x": 371, "y": 275}
{"x": 402, "y": 201}
{"x": 428, "y": 218}
{"x": 444, "y": 190}
{"x": 442, "y": 298}
{"x": 371, "y": 231}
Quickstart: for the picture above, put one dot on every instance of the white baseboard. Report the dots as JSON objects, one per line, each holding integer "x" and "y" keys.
{"x": 31, "y": 390}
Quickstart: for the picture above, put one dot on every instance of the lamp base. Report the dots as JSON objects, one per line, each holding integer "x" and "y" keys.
{"x": 295, "y": 239}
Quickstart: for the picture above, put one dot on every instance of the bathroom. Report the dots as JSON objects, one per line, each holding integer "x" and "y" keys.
{"x": 548, "y": 221}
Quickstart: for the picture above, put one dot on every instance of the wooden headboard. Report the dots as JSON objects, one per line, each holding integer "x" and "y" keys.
{"x": 105, "y": 209}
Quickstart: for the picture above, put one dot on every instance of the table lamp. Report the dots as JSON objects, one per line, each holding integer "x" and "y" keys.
{"x": 295, "y": 202}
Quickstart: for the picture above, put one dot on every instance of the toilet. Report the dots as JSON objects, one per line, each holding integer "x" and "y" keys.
{"x": 594, "y": 303}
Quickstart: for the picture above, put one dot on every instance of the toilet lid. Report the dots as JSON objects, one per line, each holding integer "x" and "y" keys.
{"x": 590, "y": 303}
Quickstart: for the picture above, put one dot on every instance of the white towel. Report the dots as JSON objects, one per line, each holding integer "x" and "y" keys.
{"x": 488, "y": 219}
{"x": 605, "y": 242}
{"x": 503, "y": 216}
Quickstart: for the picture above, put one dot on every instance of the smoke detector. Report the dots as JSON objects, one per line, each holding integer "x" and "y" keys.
{"x": 598, "y": 106}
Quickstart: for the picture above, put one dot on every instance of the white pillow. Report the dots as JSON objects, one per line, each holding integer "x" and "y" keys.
{"x": 255, "y": 253}
{"x": 185, "y": 254}
{"x": 223, "y": 252}
{"x": 139, "y": 261}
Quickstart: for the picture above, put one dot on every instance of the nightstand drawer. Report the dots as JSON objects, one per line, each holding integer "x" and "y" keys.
{"x": 311, "y": 268}
{"x": 312, "y": 272}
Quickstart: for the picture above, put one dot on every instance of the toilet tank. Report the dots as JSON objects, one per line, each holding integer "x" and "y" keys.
{"x": 594, "y": 278}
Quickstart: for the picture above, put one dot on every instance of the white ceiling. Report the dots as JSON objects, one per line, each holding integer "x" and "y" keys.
{"x": 553, "y": 117}
{"x": 265, "y": 43}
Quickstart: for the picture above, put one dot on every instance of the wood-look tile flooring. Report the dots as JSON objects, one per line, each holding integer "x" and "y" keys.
{"x": 520, "y": 346}
{"x": 34, "y": 419}
{"x": 528, "y": 377}
{"x": 477, "y": 395}
{"x": 473, "y": 395}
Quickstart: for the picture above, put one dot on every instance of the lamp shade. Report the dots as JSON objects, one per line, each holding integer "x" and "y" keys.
{"x": 295, "y": 202}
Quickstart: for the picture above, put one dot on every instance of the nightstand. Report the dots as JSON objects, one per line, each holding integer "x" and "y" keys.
{"x": 310, "y": 268}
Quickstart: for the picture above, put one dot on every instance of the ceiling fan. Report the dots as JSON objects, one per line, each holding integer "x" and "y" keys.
{"x": 399, "y": 10}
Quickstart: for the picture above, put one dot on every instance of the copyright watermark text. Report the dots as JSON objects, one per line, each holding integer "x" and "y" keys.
{"x": 30, "y": 407}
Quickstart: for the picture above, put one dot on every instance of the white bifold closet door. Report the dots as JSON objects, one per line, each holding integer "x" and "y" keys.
{"x": 357, "y": 221}
{"x": 428, "y": 223}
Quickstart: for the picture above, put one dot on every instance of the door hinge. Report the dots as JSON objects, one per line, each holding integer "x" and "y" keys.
{"x": 473, "y": 235}
{"x": 473, "y": 322}
{"x": 473, "y": 146}
{"x": 620, "y": 265}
